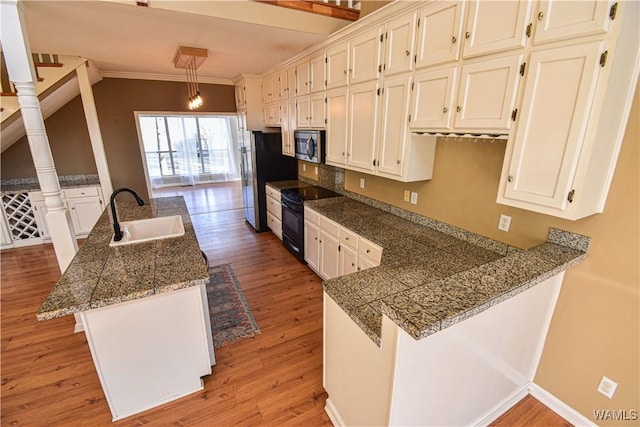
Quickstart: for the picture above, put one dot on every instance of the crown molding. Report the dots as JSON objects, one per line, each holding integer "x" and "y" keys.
{"x": 163, "y": 77}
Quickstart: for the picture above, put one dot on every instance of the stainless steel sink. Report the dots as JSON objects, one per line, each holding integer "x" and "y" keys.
{"x": 145, "y": 230}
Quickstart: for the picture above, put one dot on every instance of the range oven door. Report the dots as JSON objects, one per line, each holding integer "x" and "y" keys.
{"x": 293, "y": 228}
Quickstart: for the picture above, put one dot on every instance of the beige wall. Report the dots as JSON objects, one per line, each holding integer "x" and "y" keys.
{"x": 595, "y": 328}
{"x": 116, "y": 100}
{"x": 368, "y": 6}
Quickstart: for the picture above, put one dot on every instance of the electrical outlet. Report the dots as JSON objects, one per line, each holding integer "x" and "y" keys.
{"x": 505, "y": 222}
{"x": 304, "y": 167}
{"x": 316, "y": 170}
{"x": 361, "y": 182}
{"x": 407, "y": 195}
{"x": 607, "y": 387}
{"x": 414, "y": 198}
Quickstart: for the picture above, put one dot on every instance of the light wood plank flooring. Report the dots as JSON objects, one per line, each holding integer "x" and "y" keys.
{"x": 48, "y": 377}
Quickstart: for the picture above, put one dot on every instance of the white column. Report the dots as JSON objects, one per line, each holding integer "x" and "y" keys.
{"x": 17, "y": 54}
{"x": 91, "y": 116}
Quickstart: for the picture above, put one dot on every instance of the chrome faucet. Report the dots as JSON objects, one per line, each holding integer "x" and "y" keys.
{"x": 116, "y": 226}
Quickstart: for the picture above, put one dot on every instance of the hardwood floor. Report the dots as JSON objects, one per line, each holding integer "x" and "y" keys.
{"x": 275, "y": 378}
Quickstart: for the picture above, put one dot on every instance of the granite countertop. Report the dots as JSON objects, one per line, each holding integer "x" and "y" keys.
{"x": 294, "y": 183}
{"x": 22, "y": 185}
{"x": 100, "y": 275}
{"x": 432, "y": 275}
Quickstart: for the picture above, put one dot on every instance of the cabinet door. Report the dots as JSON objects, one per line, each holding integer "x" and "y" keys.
{"x": 317, "y": 113}
{"x": 336, "y": 136}
{"x": 365, "y": 57}
{"x": 317, "y": 74}
{"x": 267, "y": 94}
{"x": 558, "y": 94}
{"x": 312, "y": 245}
{"x": 433, "y": 99}
{"x": 5, "y": 236}
{"x": 365, "y": 263}
{"x": 487, "y": 94}
{"x": 288, "y": 126}
{"x": 240, "y": 97}
{"x": 439, "y": 29}
{"x": 275, "y": 225}
{"x": 329, "y": 255}
{"x": 272, "y": 114}
{"x": 291, "y": 82}
{"x": 494, "y": 26}
{"x": 338, "y": 66}
{"x": 84, "y": 213}
{"x": 560, "y": 20}
{"x": 40, "y": 213}
{"x": 348, "y": 260}
{"x": 283, "y": 85}
{"x": 303, "y": 117}
{"x": 302, "y": 78}
{"x": 399, "y": 42}
{"x": 393, "y": 125}
{"x": 363, "y": 125}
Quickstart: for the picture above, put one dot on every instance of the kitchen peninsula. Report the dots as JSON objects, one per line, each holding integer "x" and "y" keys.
{"x": 447, "y": 330}
{"x": 144, "y": 309}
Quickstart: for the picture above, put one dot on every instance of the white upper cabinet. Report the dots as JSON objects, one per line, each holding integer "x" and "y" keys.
{"x": 317, "y": 74}
{"x": 561, "y": 20}
{"x": 317, "y": 113}
{"x": 487, "y": 94}
{"x": 302, "y": 78}
{"x": 270, "y": 89}
{"x": 363, "y": 125}
{"x": 365, "y": 56}
{"x": 399, "y": 44}
{"x": 559, "y": 91}
{"x": 336, "y": 135}
{"x": 439, "y": 29}
{"x": 284, "y": 85}
{"x": 241, "y": 99}
{"x": 303, "y": 115}
{"x": 338, "y": 66}
{"x": 291, "y": 82}
{"x": 288, "y": 126}
{"x": 393, "y": 125}
{"x": 433, "y": 96}
{"x": 495, "y": 26}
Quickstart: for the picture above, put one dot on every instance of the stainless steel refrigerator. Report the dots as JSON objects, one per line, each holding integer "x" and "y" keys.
{"x": 261, "y": 161}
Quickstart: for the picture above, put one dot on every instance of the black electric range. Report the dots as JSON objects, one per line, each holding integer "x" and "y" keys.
{"x": 293, "y": 215}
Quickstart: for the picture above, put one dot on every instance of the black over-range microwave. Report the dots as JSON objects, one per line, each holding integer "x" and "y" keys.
{"x": 309, "y": 145}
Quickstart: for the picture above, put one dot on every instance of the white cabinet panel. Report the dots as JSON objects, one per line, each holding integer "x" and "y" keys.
{"x": 303, "y": 116}
{"x": 365, "y": 56}
{"x": 363, "y": 125}
{"x": 393, "y": 125}
{"x": 494, "y": 26}
{"x": 5, "y": 235}
{"x": 317, "y": 114}
{"x": 561, "y": 20}
{"x": 558, "y": 95}
{"x": 317, "y": 74}
{"x": 275, "y": 225}
{"x": 302, "y": 78}
{"x": 329, "y": 255}
{"x": 487, "y": 94}
{"x": 336, "y": 135}
{"x": 338, "y": 66}
{"x": 348, "y": 260}
{"x": 288, "y": 126}
{"x": 40, "y": 212}
{"x": 291, "y": 82}
{"x": 433, "y": 99}
{"x": 312, "y": 245}
{"x": 439, "y": 33}
{"x": 399, "y": 44}
{"x": 84, "y": 213}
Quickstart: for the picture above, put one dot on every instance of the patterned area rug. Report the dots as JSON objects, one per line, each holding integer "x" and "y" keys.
{"x": 231, "y": 317}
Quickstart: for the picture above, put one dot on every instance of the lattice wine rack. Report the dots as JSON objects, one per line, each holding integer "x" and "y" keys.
{"x": 20, "y": 215}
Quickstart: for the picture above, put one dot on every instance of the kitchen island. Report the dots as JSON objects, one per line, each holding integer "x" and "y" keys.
{"x": 447, "y": 330}
{"x": 144, "y": 309}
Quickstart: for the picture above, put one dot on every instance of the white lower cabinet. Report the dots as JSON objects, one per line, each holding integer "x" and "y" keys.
{"x": 274, "y": 211}
{"x": 5, "y": 236}
{"x": 332, "y": 250}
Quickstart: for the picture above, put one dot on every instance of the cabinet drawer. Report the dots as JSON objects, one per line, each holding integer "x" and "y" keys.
{"x": 275, "y": 225}
{"x": 311, "y": 216}
{"x": 36, "y": 196}
{"x": 371, "y": 250}
{"x": 272, "y": 192}
{"x": 75, "y": 193}
{"x": 349, "y": 238}
{"x": 275, "y": 207}
{"x": 329, "y": 226}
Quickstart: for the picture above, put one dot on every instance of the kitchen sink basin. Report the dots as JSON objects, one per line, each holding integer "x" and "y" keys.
{"x": 145, "y": 230}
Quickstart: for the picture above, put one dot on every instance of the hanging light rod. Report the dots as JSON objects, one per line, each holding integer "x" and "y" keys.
{"x": 185, "y": 57}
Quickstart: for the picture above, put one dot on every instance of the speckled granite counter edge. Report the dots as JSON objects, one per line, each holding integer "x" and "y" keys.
{"x": 20, "y": 185}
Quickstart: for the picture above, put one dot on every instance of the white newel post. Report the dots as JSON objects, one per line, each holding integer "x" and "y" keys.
{"x": 95, "y": 135}
{"x": 20, "y": 67}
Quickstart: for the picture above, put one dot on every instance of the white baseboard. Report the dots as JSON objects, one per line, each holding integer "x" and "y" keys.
{"x": 559, "y": 407}
{"x": 333, "y": 414}
{"x": 502, "y": 407}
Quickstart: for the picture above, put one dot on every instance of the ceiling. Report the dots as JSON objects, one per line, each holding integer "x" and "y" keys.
{"x": 120, "y": 38}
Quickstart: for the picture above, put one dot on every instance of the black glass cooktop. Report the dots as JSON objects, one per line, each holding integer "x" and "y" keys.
{"x": 314, "y": 192}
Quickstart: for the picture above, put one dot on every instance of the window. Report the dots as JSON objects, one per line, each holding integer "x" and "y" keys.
{"x": 188, "y": 149}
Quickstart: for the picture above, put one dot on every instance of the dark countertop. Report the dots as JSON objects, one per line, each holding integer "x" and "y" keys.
{"x": 433, "y": 275}
{"x": 281, "y": 185}
{"x": 100, "y": 275}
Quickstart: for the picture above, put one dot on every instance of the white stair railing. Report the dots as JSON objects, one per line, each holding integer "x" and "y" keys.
{"x": 350, "y": 4}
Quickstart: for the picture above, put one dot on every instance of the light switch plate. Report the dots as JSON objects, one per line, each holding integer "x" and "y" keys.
{"x": 414, "y": 198}
{"x": 361, "y": 182}
{"x": 304, "y": 167}
{"x": 607, "y": 387}
{"x": 316, "y": 170}
{"x": 407, "y": 195}
{"x": 505, "y": 223}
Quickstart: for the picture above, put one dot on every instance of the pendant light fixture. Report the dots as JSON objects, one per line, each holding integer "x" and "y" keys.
{"x": 190, "y": 58}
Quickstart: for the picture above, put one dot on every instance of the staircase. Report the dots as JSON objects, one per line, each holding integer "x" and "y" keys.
{"x": 342, "y": 9}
